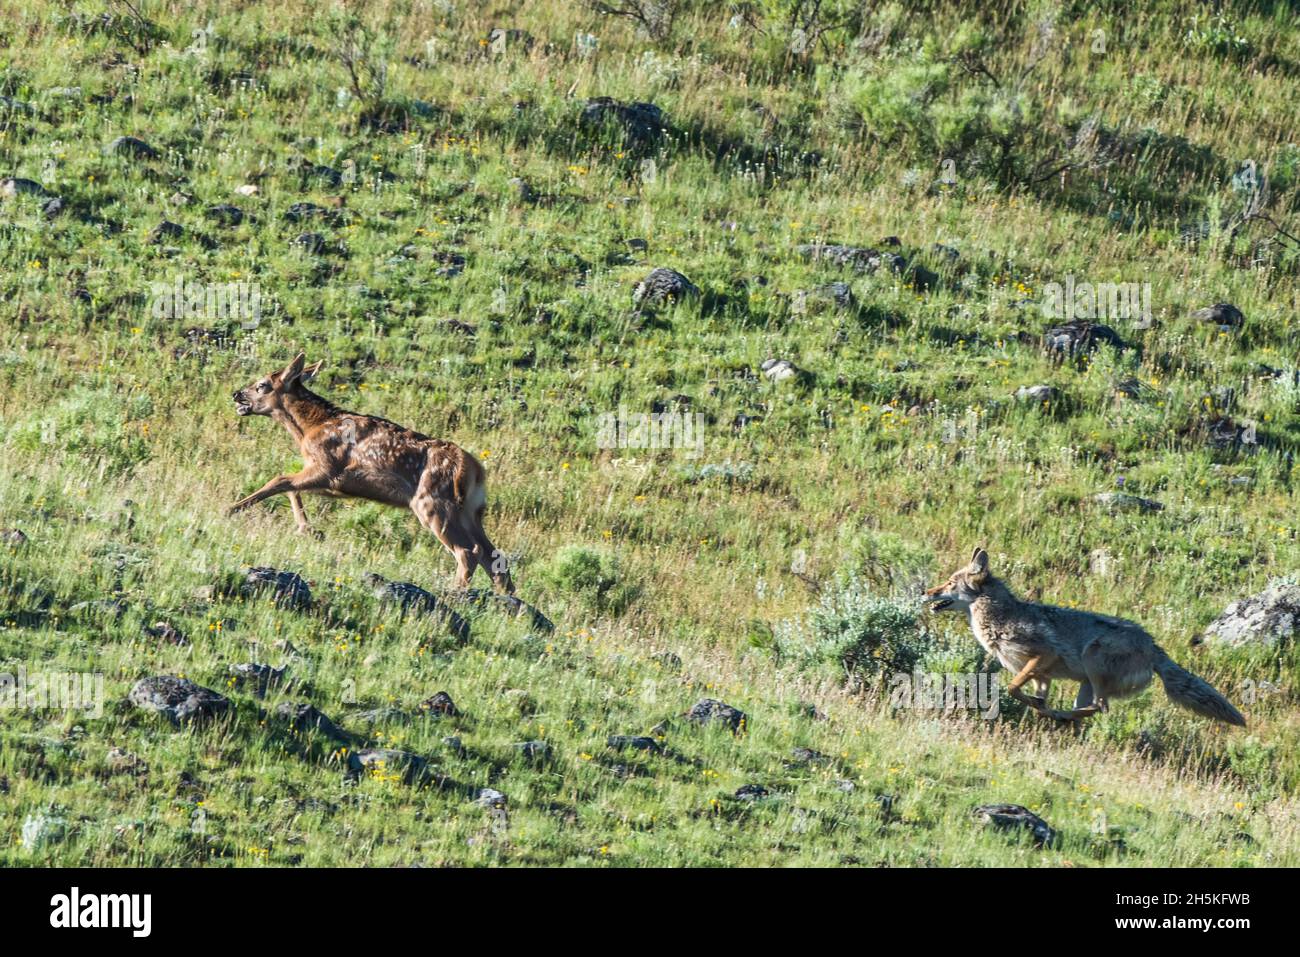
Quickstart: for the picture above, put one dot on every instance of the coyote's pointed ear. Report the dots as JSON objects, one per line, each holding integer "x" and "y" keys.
{"x": 293, "y": 369}
{"x": 980, "y": 561}
{"x": 311, "y": 370}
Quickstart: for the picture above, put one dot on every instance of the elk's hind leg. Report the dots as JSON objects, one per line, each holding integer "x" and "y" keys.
{"x": 437, "y": 516}
{"x": 300, "y": 516}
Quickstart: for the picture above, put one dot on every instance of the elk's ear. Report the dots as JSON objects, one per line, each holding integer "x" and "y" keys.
{"x": 310, "y": 371}
{"x": 293, "y": 369}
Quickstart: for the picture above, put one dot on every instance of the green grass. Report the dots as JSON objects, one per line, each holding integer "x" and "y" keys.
{"x": 898, "y": 450}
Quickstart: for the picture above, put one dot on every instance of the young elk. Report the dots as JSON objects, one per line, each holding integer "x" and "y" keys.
{"x": 363, "y": 456}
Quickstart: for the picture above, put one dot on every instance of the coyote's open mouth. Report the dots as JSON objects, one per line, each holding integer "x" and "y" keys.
{"x": 941, "y": 604}
{"x": 242, "y": 408}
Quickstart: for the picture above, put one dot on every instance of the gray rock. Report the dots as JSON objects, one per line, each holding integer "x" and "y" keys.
{"x": 1222, "y": 314}
{"x": 537, "y": 751}
{"x": 491, "y": 798}
{"x": 1266, "y": 620}
{"x": 1013, "y": 817}
{"x": 385, "y": 761}
{"x": 164, "y": 230}
{"x": 124, "y": 762}
{"x": 778, "y": 370}
{"x": 262, "y": 677}
{"x": 440, "y": 705}
{"x": 167, "y": 632}
{"x": 751, "y": 792}
{"x": 130, "y": 146}
{"x": 641, "y": 123}
{"x": 712, "y": 711}
{"x": 16, "y": 186}
{"x": 508, "y": 605}
{"x": 663, "y": 285}
{"x": 1036, "y": 393}
{"x": 178, "y": 699}
{"x": 1079, "y": 337}
{"x": 225, "y": 214}
{"x": 412, "y": 599}
{"x": 287, "y": 589}
{"x": 808, "y": 756}
{"x": 303, "y": 717}
{"x": 619, "y": 742}
{"x": 1123, "y": 502}
{"x": 313, "y": 243}
{"x": 13, "y": 536}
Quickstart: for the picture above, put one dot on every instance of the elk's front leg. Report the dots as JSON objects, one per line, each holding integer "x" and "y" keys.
{"x": 301, "y": 482}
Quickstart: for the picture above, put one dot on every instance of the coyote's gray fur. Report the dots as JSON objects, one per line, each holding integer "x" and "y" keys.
{"x": 1111, "y": 657}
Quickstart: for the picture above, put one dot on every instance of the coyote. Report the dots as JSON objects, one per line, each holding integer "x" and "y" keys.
{"x": 363, "y": 456}
{"x": 1112, "y": 657}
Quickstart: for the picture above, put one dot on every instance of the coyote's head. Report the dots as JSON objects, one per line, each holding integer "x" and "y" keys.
{"x": 964, "y": 586}
{"x": 266, "y": 395}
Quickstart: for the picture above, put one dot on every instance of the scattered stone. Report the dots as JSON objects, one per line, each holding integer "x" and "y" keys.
{"x": 303, "y": 717}
{"x": 130, "y": 146}
{"x": 499, "y": 40}
{"x": 248, "y": 189}
{"x": 1222, "y": 314}
{"x": 667, "y": 660}
{"x": 441, "y": 705}
{"x": 837, "y": 294}
{"x": 263, "y": 677}
{"x": 808, "y": 756}
{"x": 41, "y": 830}
{"x": 663, "y": 285}
{"x": 1123, "y": 502}
{"x": 13, "y": 537}
{"x": 524, "y": 193}
{"x": 1011, "y": 817}
{"x": 1079, "y": 338}
{"x": 16, "y": 186}
{"x": 490, "y": 798}
{"x": 412, "y": 599}
{"x": 312, "y": 243}
{"x": 537, "y": 751}
{"x": 288, "y": 589}
{"x": 1266, "y": 620}
{"x": 124, "y": 762}
{"x": 164, "y": 230}
{"x": 641, "y": 123}
{"x": 166, "y": 631}
{"x": 620, "y": 742}
{"x": 711, "y": 711}
{"x": 225, "y": 214}
{"x": 778, "y": 370}
{"x": 381, "y": 762}
{"x": 1036, "y": 393}
{"x": 178, "y": 699}
{"x": 751, "y": 792}
{"x": 303, "y": 211}
{"x": 508, "y": 604}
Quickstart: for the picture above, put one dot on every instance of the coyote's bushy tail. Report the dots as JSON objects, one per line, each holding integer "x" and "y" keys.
{"x": 1193, "y": 693}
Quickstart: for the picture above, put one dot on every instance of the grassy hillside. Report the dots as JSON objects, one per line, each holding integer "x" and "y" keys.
{"x": 467, "y": 267}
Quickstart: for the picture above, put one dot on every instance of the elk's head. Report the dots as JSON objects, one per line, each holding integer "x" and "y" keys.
{"x": 266, "y": 395}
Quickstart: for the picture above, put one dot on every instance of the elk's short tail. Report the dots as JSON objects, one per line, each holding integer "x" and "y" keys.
{"x": 1194, "y": 693}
